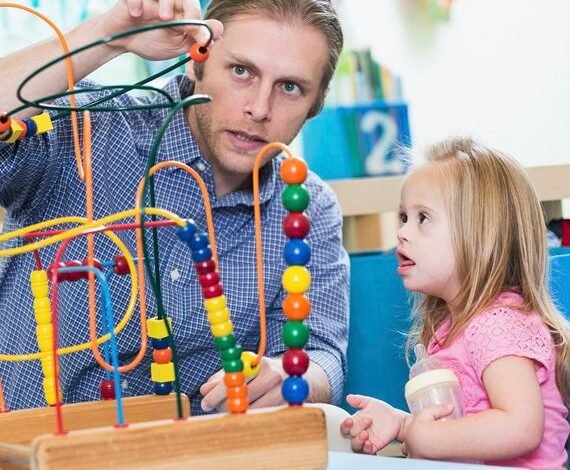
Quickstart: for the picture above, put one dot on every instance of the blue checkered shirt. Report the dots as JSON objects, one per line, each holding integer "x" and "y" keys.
{"x": 39, "y": 181}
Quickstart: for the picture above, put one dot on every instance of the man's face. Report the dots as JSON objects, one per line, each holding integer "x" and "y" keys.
{"x": 263, "y": 78}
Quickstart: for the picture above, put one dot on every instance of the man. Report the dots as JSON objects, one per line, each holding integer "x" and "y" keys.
{"x": 266, "y": 74}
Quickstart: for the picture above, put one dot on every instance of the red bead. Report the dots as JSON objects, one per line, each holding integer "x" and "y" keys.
{"x": 121, "y": 267}
{"x": 61, "y": 277}
{"x": 77, "y": 276}
{"x": 293, "y": 171}
{"x": 296, "y": 225}
{"x": 295, "y": 361}
{"x": 107, "y": 389}
{"x": 162, "y": 356}
{"x": 205, "y": 267}
{"x": 212, "y": 291}
{"x": 199, "y": 52}
{"x": 209, "y": 279}
{"x": 5, "y": 123}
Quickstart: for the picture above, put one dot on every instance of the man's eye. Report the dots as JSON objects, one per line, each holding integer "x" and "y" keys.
{"x": 291, "y": 88}
{"x": 240, "y": 70}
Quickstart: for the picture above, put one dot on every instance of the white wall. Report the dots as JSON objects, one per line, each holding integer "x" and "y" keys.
{"x": 499, "y": 70}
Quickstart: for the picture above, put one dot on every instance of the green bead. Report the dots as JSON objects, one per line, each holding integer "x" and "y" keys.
{"x": 295, "y": 198}
{"x": 295, "y": 334}
{"x": 225, "y": 342}
{"x": 231, "y": 353}
{"x": 233, "y": 365}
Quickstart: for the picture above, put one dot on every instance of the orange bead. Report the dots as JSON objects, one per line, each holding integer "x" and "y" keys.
{"x": 162, "y": 356}
{"x": 237, "y": 405}
{"x": 234, "y": 379}
{"x": 199, "y": 53}
{"x": 237, "y": 392}
{"x": 296, "y": 306}
{"x": 293, "y": 171}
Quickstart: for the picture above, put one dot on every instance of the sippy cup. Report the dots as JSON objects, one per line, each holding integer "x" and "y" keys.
{"x": 432, "y": 384}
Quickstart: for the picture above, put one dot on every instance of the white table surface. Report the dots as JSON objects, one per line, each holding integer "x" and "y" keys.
{"x": 349, "y": 461}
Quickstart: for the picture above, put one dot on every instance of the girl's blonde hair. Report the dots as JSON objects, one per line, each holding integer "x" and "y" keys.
{"x": 499, "y": 240}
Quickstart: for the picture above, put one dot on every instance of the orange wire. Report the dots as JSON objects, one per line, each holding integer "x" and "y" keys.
{"x": 70, "y": 79}
{"x": 258, "y": 249}
{"x": 2, "y": 403}
{"x": 91, "y": 254}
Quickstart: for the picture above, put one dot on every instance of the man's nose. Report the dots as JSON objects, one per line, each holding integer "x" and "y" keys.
{"x": 258, "y": 104}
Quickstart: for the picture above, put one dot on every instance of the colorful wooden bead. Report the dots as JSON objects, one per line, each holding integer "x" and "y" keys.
{"x": 248, "y": 369}
{"x": 199, "y": 241}
{"x": 295, "y": 390}
{"x": 205, "y": 267}
{"x": 233, "y": 365}
{"x": 212, "y": 291}
{"x": 162, "y": 356}
{"x": 203, "y": 254}
{"x": 295, "y": 334}
{"x": 295, "y": 198}
{"x": 187, "y": 232}
{"x": 297, "y": 252}
{"x": 231, "y": 353}
{"x": 107, "y": 389}
{"x": 209, "y": 279}
{"x": 215, "y": 303}
{"x": 237, "y": 392}
{"x": 219, "y": 316}
{"x": 121, "y": 266}
{"x": 156, "y": 328}
{"x": 295, "y": 361}
{"x": 5, "y": 123}
{"x": 222, "y": 329}
{"x": 162, "y": 388}
{"x": 224, "y": 342}
{"x": 43, "y": 123}
{"x": 293, "y": 171}
{"x": 296, "y": 225}
{"x": 296, "y": 306}
{"x": 160, "y": 343}
{"x": 199, "y": 52}
{"x": 162, "y": 372}
{"x": 237, "y": 405}
{"x": 234, "y": 379}
{"x": 296, "y": 279}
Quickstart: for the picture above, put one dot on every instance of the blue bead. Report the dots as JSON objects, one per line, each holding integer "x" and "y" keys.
{"x": 201, "y": 255}
{"x": 199, "y": 241}
{"x": 295, "y": 390}
{"x": 32, "y": 128}
{"x": 187, "y": 232}
{"x": 162, "y": 388}
{"x": 160, "y": 343}
{"x": 297, "y": 252}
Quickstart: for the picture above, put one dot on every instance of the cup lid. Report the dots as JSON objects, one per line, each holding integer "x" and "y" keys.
{"x": 428, "y": 378}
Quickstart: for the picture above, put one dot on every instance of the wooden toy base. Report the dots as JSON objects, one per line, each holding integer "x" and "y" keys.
{"x": 276, "y": 439}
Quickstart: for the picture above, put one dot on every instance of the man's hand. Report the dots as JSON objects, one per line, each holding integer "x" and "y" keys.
{"x": 374, "y": 426}
{"x": 162, "y": 43}
{"x": 263, "y": 390}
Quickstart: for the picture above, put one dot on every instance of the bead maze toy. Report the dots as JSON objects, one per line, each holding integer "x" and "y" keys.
{"x": 119, "y": 429}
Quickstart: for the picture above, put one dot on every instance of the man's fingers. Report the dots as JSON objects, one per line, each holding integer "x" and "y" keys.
{"x": 135, "y": 8}
{"x": 166, "y": 10}
{"x": 271, "y": 398}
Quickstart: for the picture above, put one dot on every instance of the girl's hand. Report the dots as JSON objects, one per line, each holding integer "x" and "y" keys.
{"x": 418, "y": 431}
{"x": 374, "y": 426}
{"x": 162, "y": 43}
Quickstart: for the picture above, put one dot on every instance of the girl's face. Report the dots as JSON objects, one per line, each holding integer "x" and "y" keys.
{"x": 426, "y": 259}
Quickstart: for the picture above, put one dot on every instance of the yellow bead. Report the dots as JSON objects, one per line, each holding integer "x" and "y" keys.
{"x": 247, "y": 358}
{"x": 43, "y": 123}
{"x": 49, "y": 390}
{"x": 162, "y": 372}
{"x": 222, "y": 329}
{"x": 17, "y": 130}
{"x": 42, "y": 310}
{"x": 156, "y": 328}
{"x": 45, "y": 337}
{"x": 39, "y": 283}
{"x": 296, "y": 279}
{"x": 218, "y": 316}
{"x": 47, "y": 365}
{"x": 215, "y": 303}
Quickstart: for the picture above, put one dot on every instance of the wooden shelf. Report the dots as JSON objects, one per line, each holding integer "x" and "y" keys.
{"x": 370, "y": 205}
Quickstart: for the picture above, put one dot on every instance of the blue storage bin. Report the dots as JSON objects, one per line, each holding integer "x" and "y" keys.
{"x": 361, "y": 140}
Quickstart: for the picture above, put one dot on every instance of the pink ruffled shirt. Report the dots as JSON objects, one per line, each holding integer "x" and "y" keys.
{"x": 504, "y": 331}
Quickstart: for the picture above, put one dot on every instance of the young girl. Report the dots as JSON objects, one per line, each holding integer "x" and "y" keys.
{"x": 472, "y": 244}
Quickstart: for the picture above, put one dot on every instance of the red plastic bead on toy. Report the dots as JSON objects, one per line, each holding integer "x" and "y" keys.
{"x": 61, "y": 277}
{"x": 212, "y": 291}
{"x": 162, "y": 356}
{"x": 199, "y": 52}
{"x": 293, "y": 171}
{"x": 107, "y": 389}
{"x": 121, "y": 267}
{"x": 5, "y": 123}
{"x": 295, "y": 361}
{"x": 205, "y": 267}
{"x": 296, "y": 225}
{"x": 76, "y": 276}
{"x": 209, "y": 279}
{"x": 96, "y": 264}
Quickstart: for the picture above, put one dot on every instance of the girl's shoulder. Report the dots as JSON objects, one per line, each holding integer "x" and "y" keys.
{"x": 506, "y": 330}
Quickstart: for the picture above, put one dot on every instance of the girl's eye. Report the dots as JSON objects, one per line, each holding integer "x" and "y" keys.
{"x": 423, "y": 218}
{"x": 403, "y": 218}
